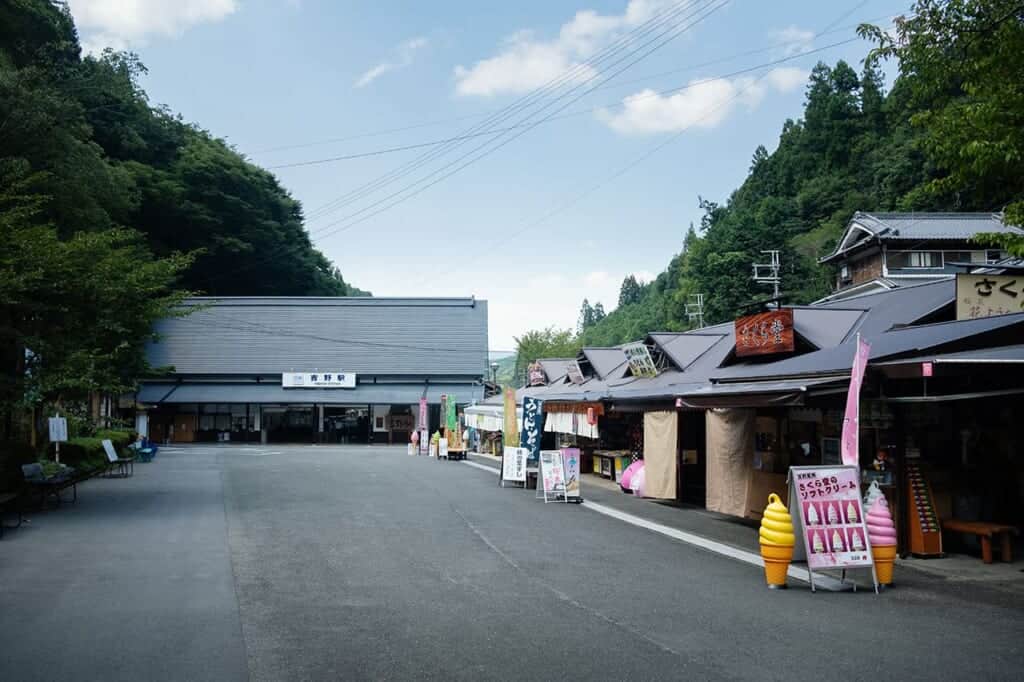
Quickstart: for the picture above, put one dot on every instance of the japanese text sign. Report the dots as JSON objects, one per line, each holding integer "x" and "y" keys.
{"x": 988, "y": 295}
{"x": 532, "y": 424}
{"x": 513, "y": 464}
{"x": 832, "y": 525}
{"x": 571, "y": 470}
{"x": 640, "y": 362}
{"x": 765, "y": 333}
{"x": 58, "y": 429}
{"x": 424, "y": 424}
{"x": 535, "y": 374}
{"x": 573, "y": 371}
{"x": 552, "y": 474}
{"x": 511, "y": 431}
{"x": 318, "y": 380}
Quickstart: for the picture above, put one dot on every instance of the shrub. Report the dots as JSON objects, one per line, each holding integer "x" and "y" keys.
{"x": 84, "y": 454}
{"x": 120, "y": 438}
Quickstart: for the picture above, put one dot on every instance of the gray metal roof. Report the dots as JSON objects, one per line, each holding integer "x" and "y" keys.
{"x": 363, "y": 394}
{"x": 684, "y": 348}
{"x": 825, "y": 327}
{"x": 555, "y": 368}
{"x": 901, "y": 306}
{"x": 865, "y": 227}
{"x": 605, "y": 360}
{"x": 997, "y": 355}
{"x": 379, "y": 336}
{"x": 838, "y": 359}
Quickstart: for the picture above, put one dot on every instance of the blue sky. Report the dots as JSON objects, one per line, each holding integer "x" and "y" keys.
{"x": 291, "y": 81}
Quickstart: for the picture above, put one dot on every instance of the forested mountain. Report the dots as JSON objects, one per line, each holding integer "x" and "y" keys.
{"x": 111, "y": 211}
{"x": 949, "y": 136}
{"x": 103, "y": 156}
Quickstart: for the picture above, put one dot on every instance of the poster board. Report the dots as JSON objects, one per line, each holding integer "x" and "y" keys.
{"x": 551, "y": 481}
{"x": 58, "y": 429}
{"x": 571, "y": 471}
{"x": 829, "y": 518}
{"x": 513, "y": 465}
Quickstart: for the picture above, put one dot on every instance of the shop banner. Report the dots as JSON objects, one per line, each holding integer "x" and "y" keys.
{"x": 831, "y": 517}
{"x": 452, "y": 417}
{"x": 511, "y": 432}
{"x": 552, "y": 474}
{"x": 533, "y": 423}
{"x": 851, "y": 421}
{"x": 513, "y": 465}
{"x": 424, "y": 426}
{"x": 571, "y": 465}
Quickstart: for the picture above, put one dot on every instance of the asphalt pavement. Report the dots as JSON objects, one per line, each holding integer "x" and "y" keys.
{"x": 324, "y": 563}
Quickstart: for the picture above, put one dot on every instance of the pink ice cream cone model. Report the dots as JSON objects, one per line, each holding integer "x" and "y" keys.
{"x": 882, "y": 533}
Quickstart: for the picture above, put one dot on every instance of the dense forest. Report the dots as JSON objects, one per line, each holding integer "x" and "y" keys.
{"x": 111, "y": 210}
{"x": 948, "y": 136}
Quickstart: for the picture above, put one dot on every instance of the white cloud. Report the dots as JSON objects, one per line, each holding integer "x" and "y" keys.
{"x": 126, "y": 23}
{"x": 703, "y": 104}
{"x": 795, "y": 39}
{"x": 524, "y": 62}
{"x": 403, "y": 57}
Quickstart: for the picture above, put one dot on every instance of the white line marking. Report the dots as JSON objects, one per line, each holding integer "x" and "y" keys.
{"x": 797, "y": 573}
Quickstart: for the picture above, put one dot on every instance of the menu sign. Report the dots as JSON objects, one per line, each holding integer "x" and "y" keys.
{"x": 827, "y": 500}
{"x": 988, "y": 295}
{"x": 765, "y": 333}
{"x": 513, "y": 464}
{"x": 552, "y": 474}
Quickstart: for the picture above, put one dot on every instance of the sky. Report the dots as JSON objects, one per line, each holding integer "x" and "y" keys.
{"x": 652, "y": 105}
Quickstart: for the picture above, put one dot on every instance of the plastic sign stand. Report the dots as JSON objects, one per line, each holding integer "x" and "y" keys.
{"x": 829, "y": 518}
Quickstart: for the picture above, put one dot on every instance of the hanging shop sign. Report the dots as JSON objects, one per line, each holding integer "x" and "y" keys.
{"x": 831, "y": 517}
{"x": 318, "y": 380}
{"x": 552, "y": 475}
{"x": 575, "y": 374}
{"x": 533, "y": 423}
{"x": 571, "y": 471}
{"x": 988, "y": 295}
{"x": 535, "y": 375}
{"x": 765, "y": 333}
{"x": 640, "y": 362}
{"x": 513, "y": 465}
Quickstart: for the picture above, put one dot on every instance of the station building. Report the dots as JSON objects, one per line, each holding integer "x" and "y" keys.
{"x": 310, "y": 370}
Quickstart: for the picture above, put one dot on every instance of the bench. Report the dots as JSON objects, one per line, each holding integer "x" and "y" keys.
{"x": 985, "y": 531}
{"x": 53, "y": 486}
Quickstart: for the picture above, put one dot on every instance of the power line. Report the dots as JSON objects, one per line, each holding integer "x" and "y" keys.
{"x": 671, "y": 34}
{"x": 656, "y": 22}
{"x": 581, "y": 112}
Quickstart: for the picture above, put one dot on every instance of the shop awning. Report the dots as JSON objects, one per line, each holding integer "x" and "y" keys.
{"x": 489, "y": 417}
{"x": 756, "y": 394}
{"x": 155, "y": 393}
{"x": 984, "y": 356}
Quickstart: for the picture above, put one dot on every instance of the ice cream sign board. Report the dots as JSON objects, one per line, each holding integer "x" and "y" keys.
{"x": 318, "y": 380}
{"x": 832, "y": 525}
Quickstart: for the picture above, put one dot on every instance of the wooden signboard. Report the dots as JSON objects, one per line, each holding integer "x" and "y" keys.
{"x": 988, "y": 295}
{"x": 765, "y": 333}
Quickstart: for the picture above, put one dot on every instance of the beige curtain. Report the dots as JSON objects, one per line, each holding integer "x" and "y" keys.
{"x": 660, "y": 434}
{"x": 730, "y": 459}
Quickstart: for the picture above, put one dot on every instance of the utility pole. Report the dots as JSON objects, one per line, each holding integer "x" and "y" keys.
{"x": 768, "y": 273}
{"x": 695, "y": 309}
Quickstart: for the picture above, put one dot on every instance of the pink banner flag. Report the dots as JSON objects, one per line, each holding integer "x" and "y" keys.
{"x": 850, "y": 446}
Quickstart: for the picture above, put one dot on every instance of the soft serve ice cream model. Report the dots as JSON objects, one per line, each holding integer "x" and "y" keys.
{"x": 882, "y": 534}
{"x": 777, "y": 541}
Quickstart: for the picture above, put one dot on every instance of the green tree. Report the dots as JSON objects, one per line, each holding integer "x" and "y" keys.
{"x": 630, "y": 292}
{"x": 544, "y": 343}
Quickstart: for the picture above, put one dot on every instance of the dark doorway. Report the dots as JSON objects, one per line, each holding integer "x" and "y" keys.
{"x": 289, "y": 425}
{"x": 692, "y": 485}
{"x": 347, "y": 424}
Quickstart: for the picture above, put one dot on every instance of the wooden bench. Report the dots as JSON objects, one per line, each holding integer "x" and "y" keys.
{"x": 985, "y": 531}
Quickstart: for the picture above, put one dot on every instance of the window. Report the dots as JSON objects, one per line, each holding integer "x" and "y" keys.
{"x": 993, "y": 256}
{"x": 844, "y": 273}
{"x": 899, "y": 260}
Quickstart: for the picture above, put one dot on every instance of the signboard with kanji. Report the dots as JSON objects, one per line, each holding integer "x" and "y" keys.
{"x": 640, "y": 362}
{"x": 826, "y": 503}
{"x": 765, "y": 333}
{"x": 513, "y": 464}
{"x": 533, "y": 424}
{"x": 318, "y": 380}
{"x": 535, "y": 374}
{"x": 988, "y": 295}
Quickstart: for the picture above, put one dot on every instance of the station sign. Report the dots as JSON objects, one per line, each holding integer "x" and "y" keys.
{"x": 318, "y": 380}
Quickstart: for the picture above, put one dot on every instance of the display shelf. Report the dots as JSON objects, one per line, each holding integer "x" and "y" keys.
{"x": 925, "y": 531}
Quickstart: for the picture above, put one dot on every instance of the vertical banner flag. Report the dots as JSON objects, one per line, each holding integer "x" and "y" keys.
{"x": 850, "y": 444}
{"x": 424, "y": 426}
{"x": 571, "y": 469}
{"x": 452, "y": 416}
{"x": 532, "y": 423}
{"x": 511, "y": 423}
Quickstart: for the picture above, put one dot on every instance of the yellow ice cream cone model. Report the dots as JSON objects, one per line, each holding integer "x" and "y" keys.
{"x": 777, "y": 540}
